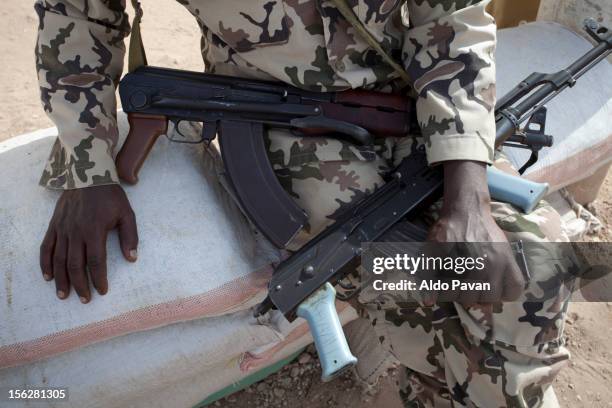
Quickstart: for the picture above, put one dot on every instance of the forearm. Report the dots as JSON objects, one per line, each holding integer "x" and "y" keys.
{"x": 465, "y": 186}
{"x": 449, "y": 52}
{"x": 466, "y": 212}
{"x": 79, "y": 59}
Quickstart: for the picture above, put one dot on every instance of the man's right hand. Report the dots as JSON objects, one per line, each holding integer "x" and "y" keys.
{"x": 75, "y": 243}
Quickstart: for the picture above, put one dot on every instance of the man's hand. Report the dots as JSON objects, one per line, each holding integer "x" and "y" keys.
{"x": 75, "y": 242}
{"x": 466, "y": 217}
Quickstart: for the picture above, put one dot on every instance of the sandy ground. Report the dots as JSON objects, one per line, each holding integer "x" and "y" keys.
{"x": 586, "y": 383}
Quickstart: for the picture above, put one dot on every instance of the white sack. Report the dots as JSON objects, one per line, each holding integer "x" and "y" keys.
{"x": 177, "y": 365}
{"x": 197, "y": 258}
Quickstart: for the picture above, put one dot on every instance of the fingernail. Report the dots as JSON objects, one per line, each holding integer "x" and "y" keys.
{"x": 61, "y": 294}
{"x": 134, "y": 254}
{"x": 83, "y": 299}
{"x": 47, "y": 277}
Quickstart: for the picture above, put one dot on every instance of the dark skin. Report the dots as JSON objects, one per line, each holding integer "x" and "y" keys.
{"x": 466, "y": 217}
{"x": 73, "y": 251}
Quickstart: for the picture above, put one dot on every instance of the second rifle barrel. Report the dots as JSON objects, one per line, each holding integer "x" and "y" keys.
{"x": 576, "y": 69}
{"x": 547, "y": 91}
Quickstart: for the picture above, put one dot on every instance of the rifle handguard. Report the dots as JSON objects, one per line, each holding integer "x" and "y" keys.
{"x": 144, "y": 131}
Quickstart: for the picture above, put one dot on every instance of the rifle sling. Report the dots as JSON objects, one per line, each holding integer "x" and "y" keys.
{"x": 137, "y": 56}
{"x": 352, "y": 19}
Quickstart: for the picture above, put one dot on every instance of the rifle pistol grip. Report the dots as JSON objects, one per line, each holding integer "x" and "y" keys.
{"x": 144, "y": 131}
{"x": 319, "y": 310}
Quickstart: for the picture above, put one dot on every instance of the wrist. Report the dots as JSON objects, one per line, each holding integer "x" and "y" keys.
{"x": 465, "y": 187}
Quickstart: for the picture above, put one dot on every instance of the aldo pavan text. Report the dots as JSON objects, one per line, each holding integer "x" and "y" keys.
{"x": 412, "y": 265}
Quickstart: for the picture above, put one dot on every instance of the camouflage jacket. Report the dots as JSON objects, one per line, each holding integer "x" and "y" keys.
{"x": 447, "y": 46}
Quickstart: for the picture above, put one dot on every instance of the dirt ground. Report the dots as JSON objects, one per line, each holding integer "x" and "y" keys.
{"x": 587, "y": 382}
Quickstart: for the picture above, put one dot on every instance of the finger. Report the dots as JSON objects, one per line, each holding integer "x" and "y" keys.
{"x": 76, "y": 269}
{"x": 60, "y": 254}
{"x": 469, "y": 297}
{"x": 128, "y": 236}
{"x": 494, "y": 295}
{"x": 46, "y": 253}
{"x": 96, "y": 261}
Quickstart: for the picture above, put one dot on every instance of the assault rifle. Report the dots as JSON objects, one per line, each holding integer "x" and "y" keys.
{"x": 238, "y": 110}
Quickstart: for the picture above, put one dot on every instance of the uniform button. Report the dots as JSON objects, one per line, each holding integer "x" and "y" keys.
{"x": 340, "y": 67}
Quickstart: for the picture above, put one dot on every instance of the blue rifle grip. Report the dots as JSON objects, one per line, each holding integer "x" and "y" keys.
{"x": 515, "y": 190}
{"x": 319, "y": 310}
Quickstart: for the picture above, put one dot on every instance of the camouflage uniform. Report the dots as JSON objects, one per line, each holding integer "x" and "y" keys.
{"x": 505, "y": 357}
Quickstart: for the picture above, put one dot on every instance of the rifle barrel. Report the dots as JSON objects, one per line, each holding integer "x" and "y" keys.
{"x": 510, "y": 117}
{"x": 573, "y": 72}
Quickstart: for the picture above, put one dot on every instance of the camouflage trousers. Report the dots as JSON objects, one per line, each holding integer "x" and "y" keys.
{"x": 498, "y": 356}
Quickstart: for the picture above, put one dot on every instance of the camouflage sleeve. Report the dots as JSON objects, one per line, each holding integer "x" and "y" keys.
{"x": 79, "y": 59}
{"x": 449, "y": 52}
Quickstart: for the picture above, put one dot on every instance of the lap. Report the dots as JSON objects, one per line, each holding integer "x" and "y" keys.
{"x": 324, "y": 176}
{"x": 477, "y": 354}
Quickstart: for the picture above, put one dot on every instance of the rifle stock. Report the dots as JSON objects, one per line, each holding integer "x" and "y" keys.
{"x": 143, "y": 133}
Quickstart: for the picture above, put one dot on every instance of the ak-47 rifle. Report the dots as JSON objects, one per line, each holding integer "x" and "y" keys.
{"x": 238, "y": 110}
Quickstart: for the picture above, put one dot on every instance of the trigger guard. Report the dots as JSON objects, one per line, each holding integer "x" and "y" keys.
{"x": 177, "y": 129}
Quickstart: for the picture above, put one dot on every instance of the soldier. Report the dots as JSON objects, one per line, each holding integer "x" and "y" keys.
{"x": 459, "y": 354}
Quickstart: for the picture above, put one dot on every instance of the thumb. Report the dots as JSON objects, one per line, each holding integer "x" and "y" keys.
{"x": 128, "y": 236}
